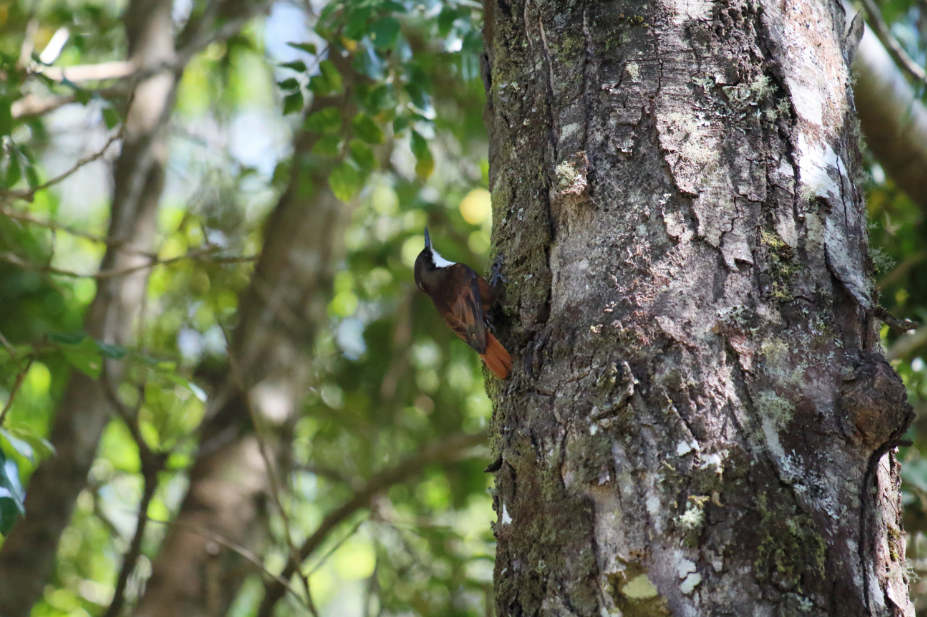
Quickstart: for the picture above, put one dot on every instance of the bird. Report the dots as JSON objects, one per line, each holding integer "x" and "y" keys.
{"x": 463, "y": 299}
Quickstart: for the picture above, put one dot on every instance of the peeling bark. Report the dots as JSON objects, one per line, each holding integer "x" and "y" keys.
{"x": 700, "y": 421}
{"x": 28, "y": 556}
{"x": 279, "y": 315}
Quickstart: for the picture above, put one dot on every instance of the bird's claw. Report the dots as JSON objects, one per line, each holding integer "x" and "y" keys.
{"x": 495, "y": 271}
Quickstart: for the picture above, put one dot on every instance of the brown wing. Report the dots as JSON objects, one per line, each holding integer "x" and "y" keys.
{"x": 466, "y": 311}
{"x": 486, "y": 293}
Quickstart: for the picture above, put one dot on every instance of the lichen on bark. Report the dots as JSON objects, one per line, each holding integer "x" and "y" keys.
{"x": 689, "y": 429}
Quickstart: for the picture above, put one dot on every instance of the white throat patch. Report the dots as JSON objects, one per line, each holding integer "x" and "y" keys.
{"x": 440, "y": 262}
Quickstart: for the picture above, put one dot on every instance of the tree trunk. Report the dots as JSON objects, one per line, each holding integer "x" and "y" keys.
{"x": 28, "y": 555}
{"x": 279, "y": 315}
{"x": 700, "y": 421}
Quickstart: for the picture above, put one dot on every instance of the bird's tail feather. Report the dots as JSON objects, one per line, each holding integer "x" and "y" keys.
{"x": 496, "y": 357}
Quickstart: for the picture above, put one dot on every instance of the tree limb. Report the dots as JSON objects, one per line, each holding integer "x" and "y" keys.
{"x": 893, "y": 119}
{"x": 445, "y": 451}
{"x": 894, "y": 48}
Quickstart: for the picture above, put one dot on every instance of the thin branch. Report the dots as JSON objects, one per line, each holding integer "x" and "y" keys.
{"x": 336, "y": 546}
{"x": 125, "y": 72}
{"x": 218, "y": 539}
{"x": 28, "y": 46}
{"x": 901, "y": 270}
{"x": 272, "y": 476}
{"x": 894, "y": 48}
{"x": 25, "y": 217}
{"x": 9, "y": 348}
{"x": 907, "y": 344}
{"x": 201, "y": 254}
{"x": 19, "y": 382}
{"x": 442, "y": 452}
{"x": 897, "y": 323}
{"x": 130, "y": 559}
{"x": 78, "y": 73}
{"x": 152, "y": 464}
{"x": 30, "y": 194}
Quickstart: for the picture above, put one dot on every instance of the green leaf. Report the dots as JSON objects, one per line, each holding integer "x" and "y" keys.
{"x": 110, "y": 117}
{"x": 6, "y": 116}
{"x": 289, "y": 84}
{"x": 345, "y": 181}
{"x": 85, "y": 357}
{"x": 293, "y": 103}
{"x": 197, "y": 391}
{"x": 295, "y": 65}
{"x": 331, "y": 76}
{"x": 309, "y": 48}
{"x": 67, "y": 338}
{"x": 9, "y": 511}
{"x": 80, "y": 95}
{"x": 113, "y": 352}
{"x": 327, "y": 145}
{"x": 379, "y": 98}
{"x": 40, "y": 446}
{"x": 367, "y": 129}
{"x": 327, "y": 120}
{"x": 425, "y": 163}
{"x": 419, "y": 145}
{"x": 363, "y": 155}
{"x": 355, "y": 26}
{"x": 13, "y": 171}
{"x": 400, "y": 123}
{"x": 32, "y": 176}
{"x": 384, "y": 32}
{"x": 446, "y": 20}
{"x": 11, "y": 495}
{"x": 20, "y": 446}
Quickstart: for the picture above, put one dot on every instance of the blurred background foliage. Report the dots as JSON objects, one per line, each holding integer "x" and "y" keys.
{"x": 389, "y": 379}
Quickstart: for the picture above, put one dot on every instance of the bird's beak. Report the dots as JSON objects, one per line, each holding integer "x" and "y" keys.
{"x": 427, "y": 239}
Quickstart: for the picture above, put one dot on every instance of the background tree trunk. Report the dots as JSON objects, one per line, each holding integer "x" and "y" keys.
{"x": 700, "y": 421}
{"x": 280, "y": 314}
{"x": 28, "y": 555}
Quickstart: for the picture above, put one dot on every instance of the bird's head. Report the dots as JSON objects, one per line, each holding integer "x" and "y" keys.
{"x": 428, "y": 261}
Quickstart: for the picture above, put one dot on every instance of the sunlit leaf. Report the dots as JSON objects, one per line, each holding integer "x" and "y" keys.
{"x": 425, "y": 162}
{"x": 328, "y": 81}
{"x": 363, "y": 155}
{"x": 288, "y": 84}
{"x": 197, "y": 391}
{"x": 41, "y": 447}
{"x": 293, "y": 103}
{"x": 384, "y": 32}
{"x": 327, "y": 145}
{"x": 110, "y": 117}
{"x": 295, "y": 65}
{"x": 309, "y": 48}
{"x": 367, "y": 129}
{"x": 20, "y": 446}
{"x": 345, "y": 181}
{"x": 327, "y": 120}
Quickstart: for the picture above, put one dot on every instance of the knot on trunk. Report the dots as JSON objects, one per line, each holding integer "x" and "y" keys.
{"x": 873, "y": 404}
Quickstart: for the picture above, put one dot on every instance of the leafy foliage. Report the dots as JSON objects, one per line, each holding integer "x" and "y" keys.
{"x": 390, "y": 378}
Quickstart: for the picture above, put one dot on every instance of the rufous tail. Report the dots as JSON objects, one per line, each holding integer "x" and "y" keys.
{"x": 496, "y": 357}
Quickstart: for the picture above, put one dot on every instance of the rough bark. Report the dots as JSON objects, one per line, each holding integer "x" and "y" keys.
{"x": 279, "y": 315}
{"x": 28, "y": 555}
{"x": 700, "y": 421}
